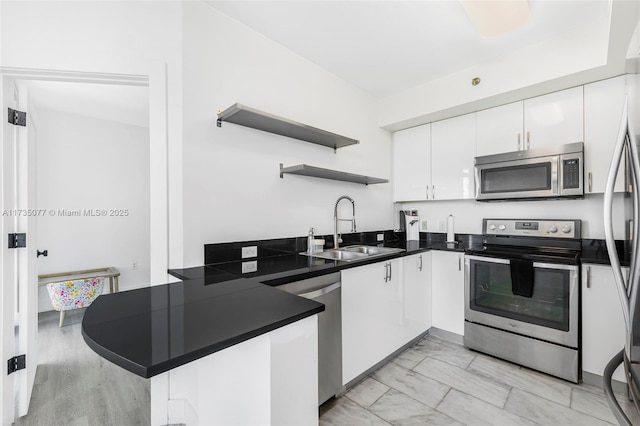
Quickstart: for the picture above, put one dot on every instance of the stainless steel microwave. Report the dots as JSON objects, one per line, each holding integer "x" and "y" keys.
{"x": 555, "y": 172}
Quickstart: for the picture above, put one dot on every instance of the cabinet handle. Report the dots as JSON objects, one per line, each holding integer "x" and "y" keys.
{"x": 459, "y": 263}
{"x": 588, "y": 271}
{"x": 390, "y": 266}
{"x": 518, "y": 141}
{"x": 420, "y": 267}
{"x": 427, "y": 192}
{"x": 528, "y": 140}
{"x": 386, "y": 272}
{"x": 433, "y": 192}
{"x": 590, "y": 182}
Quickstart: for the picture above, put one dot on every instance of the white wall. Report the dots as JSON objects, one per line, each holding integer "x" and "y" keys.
{"x": 87, "y": 163}
{"x": 124, "y": 37}
{"x": 468, "y": 214}
{"x": 232, "y": 189}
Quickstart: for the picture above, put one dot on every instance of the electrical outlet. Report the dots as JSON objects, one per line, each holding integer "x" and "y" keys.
{"x": 442, "y": 226}
{"x": 248, "y": 267}
{"x": 380, "y": 237}
{"x": 134, "y": 265}
{"x": 251, "y": 251}
{"x": 423, "y": 226}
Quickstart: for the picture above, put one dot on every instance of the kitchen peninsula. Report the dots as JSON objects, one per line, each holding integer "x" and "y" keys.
{"x": 222, "y": 341}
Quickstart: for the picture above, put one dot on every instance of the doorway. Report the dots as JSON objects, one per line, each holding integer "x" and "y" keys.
{"x": 150, "y": 265}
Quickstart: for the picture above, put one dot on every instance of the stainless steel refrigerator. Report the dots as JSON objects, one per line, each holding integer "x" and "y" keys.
{"x": 627, "y": 155}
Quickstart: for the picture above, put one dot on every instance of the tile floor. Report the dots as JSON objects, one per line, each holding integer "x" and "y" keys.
{"x": 437, "y": 382}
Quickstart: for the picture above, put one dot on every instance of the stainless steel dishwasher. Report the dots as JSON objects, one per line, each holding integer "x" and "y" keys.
{"x": 325, "y": 289}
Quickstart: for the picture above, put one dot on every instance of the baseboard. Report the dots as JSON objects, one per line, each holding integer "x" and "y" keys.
{"x": 596, "y": 380}
{"x": 382, "y": 363}
{"x": 446, "y": 335}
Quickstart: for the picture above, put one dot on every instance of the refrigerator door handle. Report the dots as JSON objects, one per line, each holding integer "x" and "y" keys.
{"x": 632, "y": 283}
{"x": 608, "y": 218}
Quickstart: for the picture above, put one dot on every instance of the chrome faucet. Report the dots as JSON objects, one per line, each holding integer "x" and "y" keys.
{"x": 337, "y": 240}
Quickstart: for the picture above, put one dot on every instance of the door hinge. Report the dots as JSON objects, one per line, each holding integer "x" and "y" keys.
{"x": 16, "y": 363}
{"x": 17, "y": 240}
{"x": 19, "y": 118}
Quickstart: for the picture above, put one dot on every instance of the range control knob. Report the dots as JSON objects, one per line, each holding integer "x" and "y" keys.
{"x": 492, "y": 227}
{"x": 502, "y": 227}
{"x": 566, "y": 229}
{"x": 553, "y": 229}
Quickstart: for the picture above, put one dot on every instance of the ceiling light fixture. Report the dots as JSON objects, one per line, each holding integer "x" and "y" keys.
{"x": 493, "y": 18}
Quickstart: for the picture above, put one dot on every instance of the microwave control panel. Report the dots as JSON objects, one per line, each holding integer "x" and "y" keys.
{"x": 571, "y": 173}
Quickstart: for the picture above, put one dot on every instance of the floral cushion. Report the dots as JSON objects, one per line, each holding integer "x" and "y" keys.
{"x": 66, "y": 295}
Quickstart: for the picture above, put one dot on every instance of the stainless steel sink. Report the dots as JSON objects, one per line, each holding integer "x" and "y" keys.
{"x": 353, "y": 253}
{"x": 371, "y": 250}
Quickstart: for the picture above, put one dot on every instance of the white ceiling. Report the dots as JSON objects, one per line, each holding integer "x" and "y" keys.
{"x": 123, "y": 104}
{"x": 388, "y": 46}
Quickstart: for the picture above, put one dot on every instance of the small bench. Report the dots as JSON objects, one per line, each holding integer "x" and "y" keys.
{"x": 78, "y": 288}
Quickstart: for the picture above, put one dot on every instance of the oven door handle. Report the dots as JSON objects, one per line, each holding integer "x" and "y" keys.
{"x": 507, "y": 261}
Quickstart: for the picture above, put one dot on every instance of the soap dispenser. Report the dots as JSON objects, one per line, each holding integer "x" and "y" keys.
{"x": 311, "y": 242}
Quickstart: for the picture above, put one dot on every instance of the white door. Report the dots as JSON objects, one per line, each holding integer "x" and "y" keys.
{"x": 19, "y": 294}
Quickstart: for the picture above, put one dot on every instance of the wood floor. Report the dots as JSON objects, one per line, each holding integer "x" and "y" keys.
{"x": 75, "y": 386}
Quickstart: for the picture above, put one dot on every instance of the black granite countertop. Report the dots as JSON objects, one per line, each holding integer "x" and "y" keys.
{"x": 283, "y": 268}
{"x": 151, "y": 330}
{"x": 595, "y": 251}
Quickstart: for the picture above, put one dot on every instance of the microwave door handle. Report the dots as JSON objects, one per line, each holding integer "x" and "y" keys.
{"x": 555, "y": 177}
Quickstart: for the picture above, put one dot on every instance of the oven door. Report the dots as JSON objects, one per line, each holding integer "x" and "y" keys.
{"x": 528, "y": 178}
{"x": 551, "y": 314}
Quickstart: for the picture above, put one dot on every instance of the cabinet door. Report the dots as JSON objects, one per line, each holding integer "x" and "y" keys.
{"x": 553, "y": 119}
{"x": 453, "y": 150}
{"x": 417, "y": 295}
{"x": 448, "y": 291}
{"x": 412, "y": 163}
{"x": 603, "y": 105}
{"x": 603, "y": 330}
{"x": 372, "y": 315}
{"x": 499, "y": 129}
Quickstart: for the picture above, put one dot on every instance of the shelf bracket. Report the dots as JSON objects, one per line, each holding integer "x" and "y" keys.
{"x": 281, "y": 174}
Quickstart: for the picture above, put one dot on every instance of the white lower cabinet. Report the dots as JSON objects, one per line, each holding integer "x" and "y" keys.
{"x": 417, "y": 295}
{"x": 448, "y": 291}
{"x": 603, "y": 330}
{"x": 384, "y": 306}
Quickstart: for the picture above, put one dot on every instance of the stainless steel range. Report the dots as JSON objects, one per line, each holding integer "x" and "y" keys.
{"x": 522, "y": 294}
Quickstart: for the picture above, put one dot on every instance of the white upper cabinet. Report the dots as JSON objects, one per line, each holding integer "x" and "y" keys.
{"x": 453, "y": 150}
{"x": 603, "y": 105}
{"x": 412, "y": 164}
{"x": 553, "y": 119}
{"x": 500, "y": 129}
